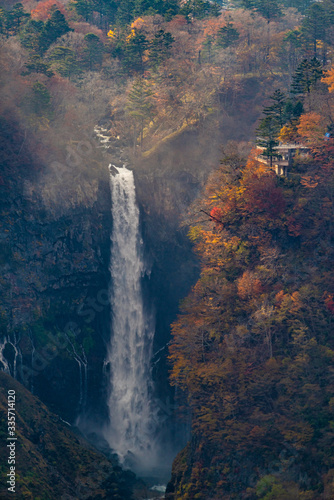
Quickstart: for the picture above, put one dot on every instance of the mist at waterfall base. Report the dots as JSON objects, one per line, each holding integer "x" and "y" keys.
{"x": 135, "y": 430}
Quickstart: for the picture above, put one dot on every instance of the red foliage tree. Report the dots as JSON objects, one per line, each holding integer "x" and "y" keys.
{"x": 44, "y": 9}
{"x": 263, "y": 195}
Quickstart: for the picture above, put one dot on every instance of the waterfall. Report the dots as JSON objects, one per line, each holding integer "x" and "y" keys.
{"x": 131, "y": 413}
{"x": 3, "y": 361}
{"x": 83, "y": 375}
{"x": 5, "y": 364}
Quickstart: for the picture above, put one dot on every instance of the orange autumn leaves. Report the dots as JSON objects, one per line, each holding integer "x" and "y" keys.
{"x": 44, "y": 9}
{"x": 257, "y": 195}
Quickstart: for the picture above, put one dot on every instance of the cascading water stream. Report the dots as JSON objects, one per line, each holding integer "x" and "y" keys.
{"x": 132, "y": 417}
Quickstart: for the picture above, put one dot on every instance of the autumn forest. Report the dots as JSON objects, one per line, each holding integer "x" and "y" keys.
{"x": 200, "y": 97}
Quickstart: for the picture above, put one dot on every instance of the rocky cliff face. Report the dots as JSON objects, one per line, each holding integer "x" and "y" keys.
{"x": 54, "y": 257}
{"x": 55, "y": 249}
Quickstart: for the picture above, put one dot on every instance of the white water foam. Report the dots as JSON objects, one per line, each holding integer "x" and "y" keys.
{"x": 132, "y": 416}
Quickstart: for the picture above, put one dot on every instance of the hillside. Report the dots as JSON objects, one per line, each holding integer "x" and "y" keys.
{"x": 253, "y": 349}
{"x": 52, "y": 461}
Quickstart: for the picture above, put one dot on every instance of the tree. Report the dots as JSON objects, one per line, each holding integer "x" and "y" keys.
{"x": 207, "y": 47}
{"x": 40, "y": 100}
{"x": 328, "y": 79}
{"x": 84, "y": 8}
{"x": 36, "y": 64}
{"x": 269, "y": 9}
{"x": 160, "y": 47}
{"x": 140, "y": 106}
{"x": 253, "y": 358}
{"x": 293, "y": 109}
{"x": 314, "y": 26}
{"x": 64, "y": 62}
{"x": 13, "y": 20}
{"x": 267, "y": 136}
{"x": 44, "y": 10}
{"x": 312, "y": 127}
{"x": 227, "y": 35}
{"x": 197, "y": 8}
{"x": 30, "y": 35}
{"x": 93, "y": 53}
{"x": 132, "y": 51}
{"x": 288, "y": 133}
{"x": 307, "y": 75}
{"x": 277, "y": 109}
{"x": 55, "y": 27}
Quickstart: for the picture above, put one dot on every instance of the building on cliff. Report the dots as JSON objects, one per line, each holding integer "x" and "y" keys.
{"x": 284, "y": 158}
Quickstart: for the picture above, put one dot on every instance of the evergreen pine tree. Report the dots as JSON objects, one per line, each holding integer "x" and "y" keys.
{"x": 36, "y": 64}
{"x": 15, "y": 18}
{"x": 133, "y": 52}
{"x": 54, "y": 27}
{"x": 93, "y": 53}
{"x": 314, "y": 27}
{"x": 84, "y": 8}
{"x": 227, "y": 36}
{"x": 207, "y": 47}
{"x": 64, "y": 62}
{"x": 140, "y": 106}
{"x": 160, "y": 47}
{"x": 306, "y": 76}
{"x": 267, "y": 134}
{"x": 276, "y": 109}
{"x": 31, "y": 34}
{"x": 40, "y": 100}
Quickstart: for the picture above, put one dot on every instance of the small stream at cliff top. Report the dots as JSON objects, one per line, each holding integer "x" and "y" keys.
{"x": 132, "y": 414}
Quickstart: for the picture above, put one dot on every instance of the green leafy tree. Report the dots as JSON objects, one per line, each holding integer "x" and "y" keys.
{"x": 55, "y": 27}
{"x": 84, "y": 8}
{"x": 307, "y": 75}
{"x": 208, "y": 46}
{"x": 124, "y": 14}
{"x": 64, "y": 62}
{"x": 160, "y": 47}
{"x": 314, "y": 27}
{"x": 171, "y": 9}
{"x": 133, "y": 51}
{"x": 269, "y": 9}
{"x": 197, "y": 8}
{"x": 36, "y": 64}
{"x": 31, "y": 34}
{"x": 93, "y": 53}
{"x": 292, "y": 110}
{"x": 40, "y": 100}
{"x": 300, "y": 5}
{"x": 15, "y": 18}
{"x": 277, "y": 108}
{"x": 140, "y": 107}
{"x": 267, "y": 134}
{"x": 227, "y": 36}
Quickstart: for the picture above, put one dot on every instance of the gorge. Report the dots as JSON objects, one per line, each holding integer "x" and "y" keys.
{"x": 177, "y": 305}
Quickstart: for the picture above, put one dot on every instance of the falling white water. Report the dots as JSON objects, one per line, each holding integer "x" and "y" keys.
{"x": 3, "y": 361}
{"x": 132, "y": 417}
{"x": 83, "y": 375}
{"x": 4, "y": 364}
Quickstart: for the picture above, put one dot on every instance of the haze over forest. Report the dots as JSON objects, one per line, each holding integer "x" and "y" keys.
{"x": 167, "y": 249}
